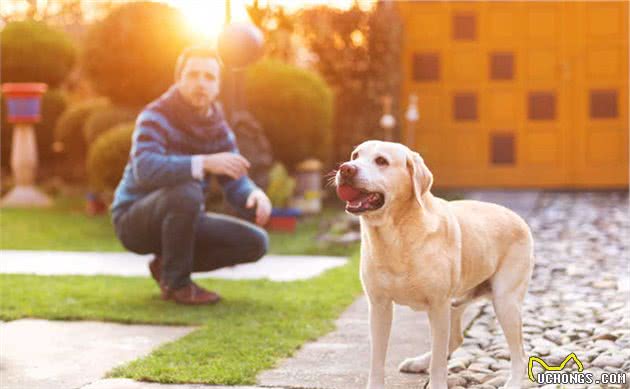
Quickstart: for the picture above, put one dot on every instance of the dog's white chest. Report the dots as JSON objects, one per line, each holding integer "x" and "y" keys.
{"x": 402, "y": 288}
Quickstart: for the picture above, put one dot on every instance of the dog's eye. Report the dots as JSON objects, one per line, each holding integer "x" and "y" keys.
{"x": 354, "y": 156}
{"x": 381, "y": 161}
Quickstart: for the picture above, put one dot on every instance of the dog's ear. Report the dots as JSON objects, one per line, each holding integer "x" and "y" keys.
{"x": 421, "y": 176}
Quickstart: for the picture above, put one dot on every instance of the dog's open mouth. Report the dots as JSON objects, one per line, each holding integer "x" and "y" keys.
{"x": 359, "y": 200}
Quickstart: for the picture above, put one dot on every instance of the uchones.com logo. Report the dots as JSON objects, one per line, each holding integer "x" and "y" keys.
{"x": 557, "y": 375}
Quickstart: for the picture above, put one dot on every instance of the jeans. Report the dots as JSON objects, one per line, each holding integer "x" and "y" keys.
{"x": 171, "y": 222}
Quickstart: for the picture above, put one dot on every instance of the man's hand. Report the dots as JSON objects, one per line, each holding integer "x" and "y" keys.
{"x": 229, "y": 164}
{"x": 260, "y": 201}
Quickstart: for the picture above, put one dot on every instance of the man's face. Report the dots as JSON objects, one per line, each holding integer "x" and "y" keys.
{"x": 199, "y": 81}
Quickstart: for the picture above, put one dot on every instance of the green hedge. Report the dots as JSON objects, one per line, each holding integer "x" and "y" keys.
{"x": 103, "y": 119}
{"x": 53, "y": 104}
{"x": 32, "y": 51}
{"x": 69, "y": 128}
{"x": 294, "y": 106}
{"x": 107, "y": 157}
{"x": 130, "y": 55}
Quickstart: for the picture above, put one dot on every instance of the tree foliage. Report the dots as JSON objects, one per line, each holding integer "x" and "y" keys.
{"x": 130, "y": 55}
{"x": 32, "y": 51}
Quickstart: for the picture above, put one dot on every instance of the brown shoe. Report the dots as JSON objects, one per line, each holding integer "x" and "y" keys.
{"x": 155, "y": 266}
{"x": 191, "y": 294}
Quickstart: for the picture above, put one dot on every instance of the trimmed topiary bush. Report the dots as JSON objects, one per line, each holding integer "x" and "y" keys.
{"x": 32, "y": 51}
{"x": 130, "y": 55}
{"x": 53, "y": 104}
{"x": 281, "y": 186}
{"x": 294, "y": 106}
{"x": 69, "y": 128}
{"x": 103, "y": 119}
{"x": 107, "y": 157}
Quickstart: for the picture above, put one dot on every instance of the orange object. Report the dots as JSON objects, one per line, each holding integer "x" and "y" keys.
{"x": 24, "y": 89}
{"x": 518, "y": 94}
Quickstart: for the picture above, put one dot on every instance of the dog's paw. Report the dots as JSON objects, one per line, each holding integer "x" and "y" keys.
{"x": 416, "y": 365}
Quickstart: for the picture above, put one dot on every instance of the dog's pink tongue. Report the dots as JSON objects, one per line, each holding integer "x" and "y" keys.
{"x": 347, "y": 193}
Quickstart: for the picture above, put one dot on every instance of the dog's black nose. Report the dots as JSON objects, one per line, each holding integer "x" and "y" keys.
{"x": 348, "y": 170}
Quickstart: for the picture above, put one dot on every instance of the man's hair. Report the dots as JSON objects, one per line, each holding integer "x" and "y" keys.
{"x": 197, "y": 52}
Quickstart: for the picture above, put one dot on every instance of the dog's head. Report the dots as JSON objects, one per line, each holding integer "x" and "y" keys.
{"x": 381, "y": 175}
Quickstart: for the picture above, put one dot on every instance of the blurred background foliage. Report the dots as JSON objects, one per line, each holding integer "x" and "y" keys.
{"x": 32, "y": 51}
{"x": 130, "y": 55}
{"x": 317, "y": 92}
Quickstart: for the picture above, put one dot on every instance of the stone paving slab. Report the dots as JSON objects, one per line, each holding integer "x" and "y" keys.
{"x": 273, "y": 267}
{"x": 60, "y": 354}
{"x": 125, "y": 383}
{"x": 340, "y": 360}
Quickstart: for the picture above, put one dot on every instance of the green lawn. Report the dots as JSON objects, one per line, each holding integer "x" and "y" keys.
{"x": 258, "y": 323}
{"x": 66, "y": 227}
{"x": 63, "y": 227}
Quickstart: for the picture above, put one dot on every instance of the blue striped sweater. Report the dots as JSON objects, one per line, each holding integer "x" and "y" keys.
{"x": 168, "y": 133}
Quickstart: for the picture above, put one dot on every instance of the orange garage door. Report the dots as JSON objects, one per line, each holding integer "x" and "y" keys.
{"x": 529, "y": 94}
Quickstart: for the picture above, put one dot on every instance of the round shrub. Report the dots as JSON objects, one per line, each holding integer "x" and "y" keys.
{"x": 53, "y": 104}
{"x": 294, "y": 107}
{"x": 103, "y": 119}
{"x": 35, "y": 52}
{"x": 69, "y": 128}
{"x": 107, "y": 157}
{"x": 130, "y": 55}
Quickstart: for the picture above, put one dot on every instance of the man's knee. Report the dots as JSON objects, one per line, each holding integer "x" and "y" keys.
{"x": 257, "y": 246}
{"x": 184, "y": 198}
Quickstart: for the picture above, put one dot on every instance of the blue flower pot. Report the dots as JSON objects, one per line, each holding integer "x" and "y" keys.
{"x": 23, "y": 101}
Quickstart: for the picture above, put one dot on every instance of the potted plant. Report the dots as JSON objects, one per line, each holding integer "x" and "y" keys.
{"x": 280, "y": 190}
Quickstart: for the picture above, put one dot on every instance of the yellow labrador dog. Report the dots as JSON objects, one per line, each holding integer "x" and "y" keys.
{"x": 432, "y": 255}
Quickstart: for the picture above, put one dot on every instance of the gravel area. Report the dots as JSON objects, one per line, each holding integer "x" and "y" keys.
{"x": 578, "y": 299}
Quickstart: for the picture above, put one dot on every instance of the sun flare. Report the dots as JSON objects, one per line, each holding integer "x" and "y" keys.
{"x": 207, "y": 17}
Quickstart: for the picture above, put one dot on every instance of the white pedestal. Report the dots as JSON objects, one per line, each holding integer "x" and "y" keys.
{"x": 24, "y": 166}
{"x": 25, "y": 196}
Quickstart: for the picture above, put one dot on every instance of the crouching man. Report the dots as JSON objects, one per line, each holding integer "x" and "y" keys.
{"x": 179, "y": 142}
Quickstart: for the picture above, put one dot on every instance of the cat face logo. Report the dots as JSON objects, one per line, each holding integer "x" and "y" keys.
{"x": 545, "y": 366}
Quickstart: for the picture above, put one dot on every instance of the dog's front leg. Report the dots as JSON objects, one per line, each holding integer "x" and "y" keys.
{"x": 440, "y": 321}
{"x": 380, "y": 326}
